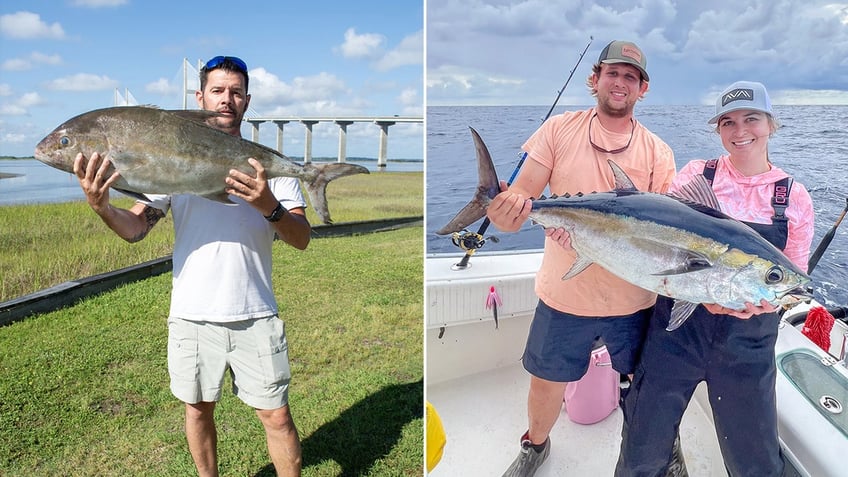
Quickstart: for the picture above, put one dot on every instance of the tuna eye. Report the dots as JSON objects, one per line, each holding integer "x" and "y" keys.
{"x": 65, "y": 141}
{"x": 774, "y": 275}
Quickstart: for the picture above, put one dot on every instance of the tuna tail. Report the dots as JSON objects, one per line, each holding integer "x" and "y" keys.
{"x": 316, "y": 188}
{"x": 487, "y": 189}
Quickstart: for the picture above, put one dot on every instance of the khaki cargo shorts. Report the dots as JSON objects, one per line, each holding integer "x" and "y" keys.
{"x": 254, "y": 351}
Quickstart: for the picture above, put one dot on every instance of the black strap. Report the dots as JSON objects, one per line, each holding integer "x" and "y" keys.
{"x": 779, "y": 199}
{"x": 710, "y": 170}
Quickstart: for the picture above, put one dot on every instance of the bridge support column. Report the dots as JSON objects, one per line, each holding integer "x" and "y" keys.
{"x": 343, "y": 139}
{"x": 307, "y": 148}
{"x": 280, "y": 124}
{"x": 382, "y": 151}
{"x": 254, "y": 131}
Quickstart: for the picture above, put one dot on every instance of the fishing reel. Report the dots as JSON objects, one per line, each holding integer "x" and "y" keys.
{"x": 470, "y": 241}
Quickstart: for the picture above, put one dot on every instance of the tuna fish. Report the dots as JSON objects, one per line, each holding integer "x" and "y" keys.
{"x": 176, "y": 152}
{"x": 681, "y": 247}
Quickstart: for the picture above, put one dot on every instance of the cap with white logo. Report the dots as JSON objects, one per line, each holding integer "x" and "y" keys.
{"x": 742, "y": 95}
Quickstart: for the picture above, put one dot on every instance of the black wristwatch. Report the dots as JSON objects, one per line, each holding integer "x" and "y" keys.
{"x": 277, "y": 214}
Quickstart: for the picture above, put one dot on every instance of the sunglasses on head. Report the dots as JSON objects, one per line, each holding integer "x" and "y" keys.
{"x": 218, "y": 60}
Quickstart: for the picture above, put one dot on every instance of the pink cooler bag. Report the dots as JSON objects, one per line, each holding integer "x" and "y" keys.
{"x": 596, "y": 395}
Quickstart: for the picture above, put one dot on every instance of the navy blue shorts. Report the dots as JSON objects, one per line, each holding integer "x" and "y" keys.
{"x": 559, "y": 344}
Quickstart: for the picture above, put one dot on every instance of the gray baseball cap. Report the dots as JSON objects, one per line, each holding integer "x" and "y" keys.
{"x": 625, "y": 52}
{"x": 742, "y": 95}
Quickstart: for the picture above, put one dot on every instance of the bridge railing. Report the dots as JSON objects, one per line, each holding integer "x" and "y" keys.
{"x": 342, "y": 122}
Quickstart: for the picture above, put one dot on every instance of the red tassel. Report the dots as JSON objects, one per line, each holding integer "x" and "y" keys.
{"x": 493, "y": 301}
{"x": 817, "y": 327}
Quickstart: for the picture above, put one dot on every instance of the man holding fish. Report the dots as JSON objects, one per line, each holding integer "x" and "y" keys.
{"x": 569, "y": 154}
{"x": 223, "y": 311}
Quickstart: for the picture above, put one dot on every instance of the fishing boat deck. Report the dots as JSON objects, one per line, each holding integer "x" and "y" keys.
{"x": 477, "y": 385}
{"x": 485, "y": 414}
{"x": 479, "y": 388}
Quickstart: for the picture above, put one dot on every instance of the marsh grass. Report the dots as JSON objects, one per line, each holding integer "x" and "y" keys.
{"x": 46, "y": 244}
{"x": 84, "y": 390}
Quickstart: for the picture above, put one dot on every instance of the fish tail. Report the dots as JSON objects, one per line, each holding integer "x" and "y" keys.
{"x": 316, "y": 188}
{"x": 487, "y": 189}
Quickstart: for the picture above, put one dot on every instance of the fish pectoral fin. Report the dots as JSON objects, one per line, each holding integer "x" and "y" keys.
{"x": 133, "y": 194}
{"x": 579, "y": 265}
{"x": 691, "y": 263}
{"x": 680, "y": 312}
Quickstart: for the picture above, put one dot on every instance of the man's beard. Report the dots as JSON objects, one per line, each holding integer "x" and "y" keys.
{"x": 624, "y": 111}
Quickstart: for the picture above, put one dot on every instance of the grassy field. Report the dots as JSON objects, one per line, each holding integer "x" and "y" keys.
{"x": 46, "y": 244}
{"x": 84, "y": 390}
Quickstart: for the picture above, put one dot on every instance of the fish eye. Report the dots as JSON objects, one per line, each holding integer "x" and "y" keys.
{"x": 64, "y": 141}
{"x": 774, "y": 275}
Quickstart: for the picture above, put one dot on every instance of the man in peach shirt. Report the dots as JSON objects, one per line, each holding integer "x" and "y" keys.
{"x": 569, "y": 154}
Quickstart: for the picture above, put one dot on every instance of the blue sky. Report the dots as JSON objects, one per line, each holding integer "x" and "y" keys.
{"x": 521, "y": 51}
{"x": 328, "y": 58}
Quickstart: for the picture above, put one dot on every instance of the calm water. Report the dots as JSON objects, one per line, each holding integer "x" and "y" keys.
{"x": 39, "y": 183}
{"x": 812, "y": 145}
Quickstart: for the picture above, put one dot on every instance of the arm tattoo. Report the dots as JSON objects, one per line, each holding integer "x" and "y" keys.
{"x": 151, "y": 216}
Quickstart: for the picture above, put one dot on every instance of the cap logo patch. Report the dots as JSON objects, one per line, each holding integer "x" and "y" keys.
{"x": 631, "y": 52}
{"x": 746, "y": 94}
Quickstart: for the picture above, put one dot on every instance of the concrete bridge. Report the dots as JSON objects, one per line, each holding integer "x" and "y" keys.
{"x": 383, "y": 122}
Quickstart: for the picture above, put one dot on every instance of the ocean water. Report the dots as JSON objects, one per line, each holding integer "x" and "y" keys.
{"x": 812, "y": 145}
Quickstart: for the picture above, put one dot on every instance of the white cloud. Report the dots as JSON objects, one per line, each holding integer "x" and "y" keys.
{"x": 13, "y": 138}
{"x": 5, "y": 89}
{"x": 82, "y": 82}
{"x": 16, "y": 64}
{"x": 28, "y": 25}
{"x": 30, "y": 99}
{"x": 367, "y": 45}
{"x": 19, "y": 106}
{"x": 12, "y": 110}
{"x": 35, "y": 58}
{"x": 162, "y": 86}
{"x": 268, "y": 91}
{"x": 408, "y": 52}
{"x": 410, "y": 102}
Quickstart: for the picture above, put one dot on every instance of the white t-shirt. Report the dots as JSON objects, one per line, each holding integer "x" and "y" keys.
{"x": 222, "y": 255}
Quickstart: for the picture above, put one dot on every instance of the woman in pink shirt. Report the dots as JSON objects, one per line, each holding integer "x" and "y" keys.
{"x": 732, "y": 350}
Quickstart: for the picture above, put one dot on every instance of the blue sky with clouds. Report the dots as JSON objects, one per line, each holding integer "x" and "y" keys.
{"x": 521, "y": 51}
{"x": 323, "y": 58}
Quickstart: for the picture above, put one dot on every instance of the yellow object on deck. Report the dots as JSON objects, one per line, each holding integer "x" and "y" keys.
{"x": 435, "y": 437}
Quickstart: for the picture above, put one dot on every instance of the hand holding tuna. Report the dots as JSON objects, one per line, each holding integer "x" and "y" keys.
{"x": 680, "y": 247}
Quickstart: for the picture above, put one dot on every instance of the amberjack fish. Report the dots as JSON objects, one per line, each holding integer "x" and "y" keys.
{"x": 682, "y": 246}
{"x": 177, "y": 152}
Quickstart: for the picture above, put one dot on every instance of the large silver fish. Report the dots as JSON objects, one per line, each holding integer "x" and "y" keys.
{"x": 176, "y": 152}
{"x": 681, "y": 247}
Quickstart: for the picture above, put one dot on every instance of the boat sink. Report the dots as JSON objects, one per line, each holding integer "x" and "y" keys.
{"x": 816, "y": 378}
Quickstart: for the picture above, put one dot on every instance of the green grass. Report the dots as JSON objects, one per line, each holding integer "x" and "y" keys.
{"x": 46, "y": 244}
{"x": 84, "y": 390}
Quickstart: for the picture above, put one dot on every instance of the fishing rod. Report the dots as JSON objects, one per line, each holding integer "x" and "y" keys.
{"x": 469, "y": 241}
{"x": 814, "y": 258}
